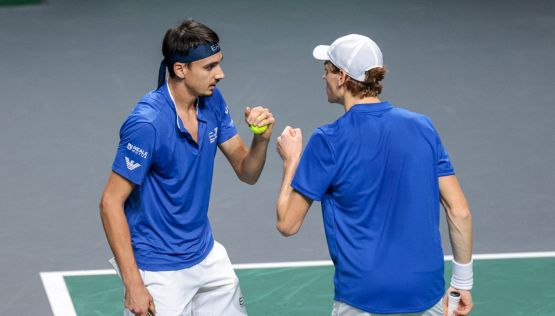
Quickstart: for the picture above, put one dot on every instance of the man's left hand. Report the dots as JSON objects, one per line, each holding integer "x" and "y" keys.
{"x": 260, "y": 116}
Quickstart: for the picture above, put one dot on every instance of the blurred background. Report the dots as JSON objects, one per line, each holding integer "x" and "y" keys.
{"x": 70, "y": 72}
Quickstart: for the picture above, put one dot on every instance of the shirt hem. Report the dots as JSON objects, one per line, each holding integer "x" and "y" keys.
{"x": 444, "y": 174}
{"x": 225, "y": 139}
{"x": 120, "y": 172}
{"x": 306, "y": 193}
{"x": 390, "y": 311}
{"x": 175, "y": 266}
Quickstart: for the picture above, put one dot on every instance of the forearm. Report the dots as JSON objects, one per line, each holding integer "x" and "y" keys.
{"x": 291, "y": 206}
{"x": 119, "y": 239}
{"x": 285, "y": 191}
{"x": 459, "y": 219}
{"x": 459, "y": 222}
{"x": 253, "y": 162}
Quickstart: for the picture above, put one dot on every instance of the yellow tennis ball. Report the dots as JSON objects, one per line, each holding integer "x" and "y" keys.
{"x": 258, "y": 129}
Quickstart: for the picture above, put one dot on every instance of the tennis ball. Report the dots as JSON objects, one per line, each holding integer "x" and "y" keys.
{"x": 258, "y": 129}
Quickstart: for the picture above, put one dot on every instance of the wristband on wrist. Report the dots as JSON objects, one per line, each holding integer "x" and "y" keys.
{"x": 462, "y": 277}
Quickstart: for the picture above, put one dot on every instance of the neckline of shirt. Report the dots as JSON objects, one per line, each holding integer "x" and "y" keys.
{"x": 177, "y": 118}
{"x": 371, "y": 107}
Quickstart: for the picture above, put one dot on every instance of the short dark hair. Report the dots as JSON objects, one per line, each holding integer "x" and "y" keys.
{"x": 188, "y": 34}
{"x": 372, "y": 85}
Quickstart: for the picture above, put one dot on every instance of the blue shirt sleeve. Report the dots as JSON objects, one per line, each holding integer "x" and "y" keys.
{"x": 317, "y": 168}
{"x": 226, "y": 127}
{"x": 135, "y": 151}
{"x": 444, "y": 166}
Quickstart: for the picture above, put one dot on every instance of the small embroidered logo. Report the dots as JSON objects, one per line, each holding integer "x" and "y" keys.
{"x": 131, "y": 165}
{"x": 213, "y": 135}
{"x": 136, "y": 150}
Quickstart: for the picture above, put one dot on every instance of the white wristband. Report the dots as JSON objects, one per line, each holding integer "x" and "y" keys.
{"x": 462, "y": 277}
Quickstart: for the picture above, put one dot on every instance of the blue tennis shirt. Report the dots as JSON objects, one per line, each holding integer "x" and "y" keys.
{"x": 375, "y": 171}
{"x": 167, "y": 211}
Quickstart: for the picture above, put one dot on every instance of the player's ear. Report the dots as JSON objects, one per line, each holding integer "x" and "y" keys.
{"x": 342, "y": 77}
{"x": 180, "y": 69}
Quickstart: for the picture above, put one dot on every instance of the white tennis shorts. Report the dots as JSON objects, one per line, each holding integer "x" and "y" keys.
{"x": 210, "y": 288}
{"x": 342, "y": 309}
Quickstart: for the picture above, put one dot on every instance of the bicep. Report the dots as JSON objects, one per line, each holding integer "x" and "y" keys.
{"x": 117, "y": 190}
{"x": 234, "y": 150}
{"x": 451, "y": 193}
{"x": 299, "y": 205}
{"x": 291, "y": 214}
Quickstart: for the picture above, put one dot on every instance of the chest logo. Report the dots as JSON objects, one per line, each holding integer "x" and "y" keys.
{"x": 131, "y": 165}
{"x": 213, "y": 135}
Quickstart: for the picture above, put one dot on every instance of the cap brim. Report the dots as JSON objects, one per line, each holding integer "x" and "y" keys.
{"x": 320, "y": 52}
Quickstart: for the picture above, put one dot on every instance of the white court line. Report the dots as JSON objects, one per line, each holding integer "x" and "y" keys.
{"x": 57, "y": 293}
{"x": 510, "y": 255}
{"x": 61, "y": 304}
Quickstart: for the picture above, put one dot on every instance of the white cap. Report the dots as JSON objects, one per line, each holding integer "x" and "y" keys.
{"x": 353, "y": 53}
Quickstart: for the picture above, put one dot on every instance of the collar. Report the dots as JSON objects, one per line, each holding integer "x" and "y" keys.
{"x": 371, "y": 107}
{"x": 199, "y": 105}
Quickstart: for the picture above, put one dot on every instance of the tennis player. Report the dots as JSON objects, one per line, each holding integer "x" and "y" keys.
{"x": 155, "y": 203}
{"x": 380, "y": 172}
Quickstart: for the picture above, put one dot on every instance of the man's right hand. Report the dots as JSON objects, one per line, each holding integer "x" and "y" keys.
{"x": 465, "y": 304}
{"x": 290, "y": 145}
{"x": 139, "y": 301}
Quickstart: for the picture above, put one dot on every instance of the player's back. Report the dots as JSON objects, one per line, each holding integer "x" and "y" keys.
{"x": 381, "y": 211}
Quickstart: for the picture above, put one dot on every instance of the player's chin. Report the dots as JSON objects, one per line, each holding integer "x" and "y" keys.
{"x": 210, "y": 89}
{"x": 329, "y": 95}
{"x": 208, "y": 92}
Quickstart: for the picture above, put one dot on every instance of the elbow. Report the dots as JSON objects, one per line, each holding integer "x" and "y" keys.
{"x": 248, "y": 180}
{"x": 103, "y": 206}
{"x": 461, "y": 214}
{"x": 286, "y": 230}
{"x": 106, "y": 206}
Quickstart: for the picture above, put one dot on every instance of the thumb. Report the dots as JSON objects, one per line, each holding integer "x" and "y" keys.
{"x": 292, "y": 131}
{"x": 152, "y": 308}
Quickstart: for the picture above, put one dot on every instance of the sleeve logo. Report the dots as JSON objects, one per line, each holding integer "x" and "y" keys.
{"x": 131, "y": 165}
{"x": 137, "y": 151}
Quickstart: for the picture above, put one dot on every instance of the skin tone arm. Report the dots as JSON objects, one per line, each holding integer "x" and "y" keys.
{"x": 248, "y": 163}
{"x": 459, "y": 221}
{"x": 291, "y": 206}
{"x": 137, "y": 298}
